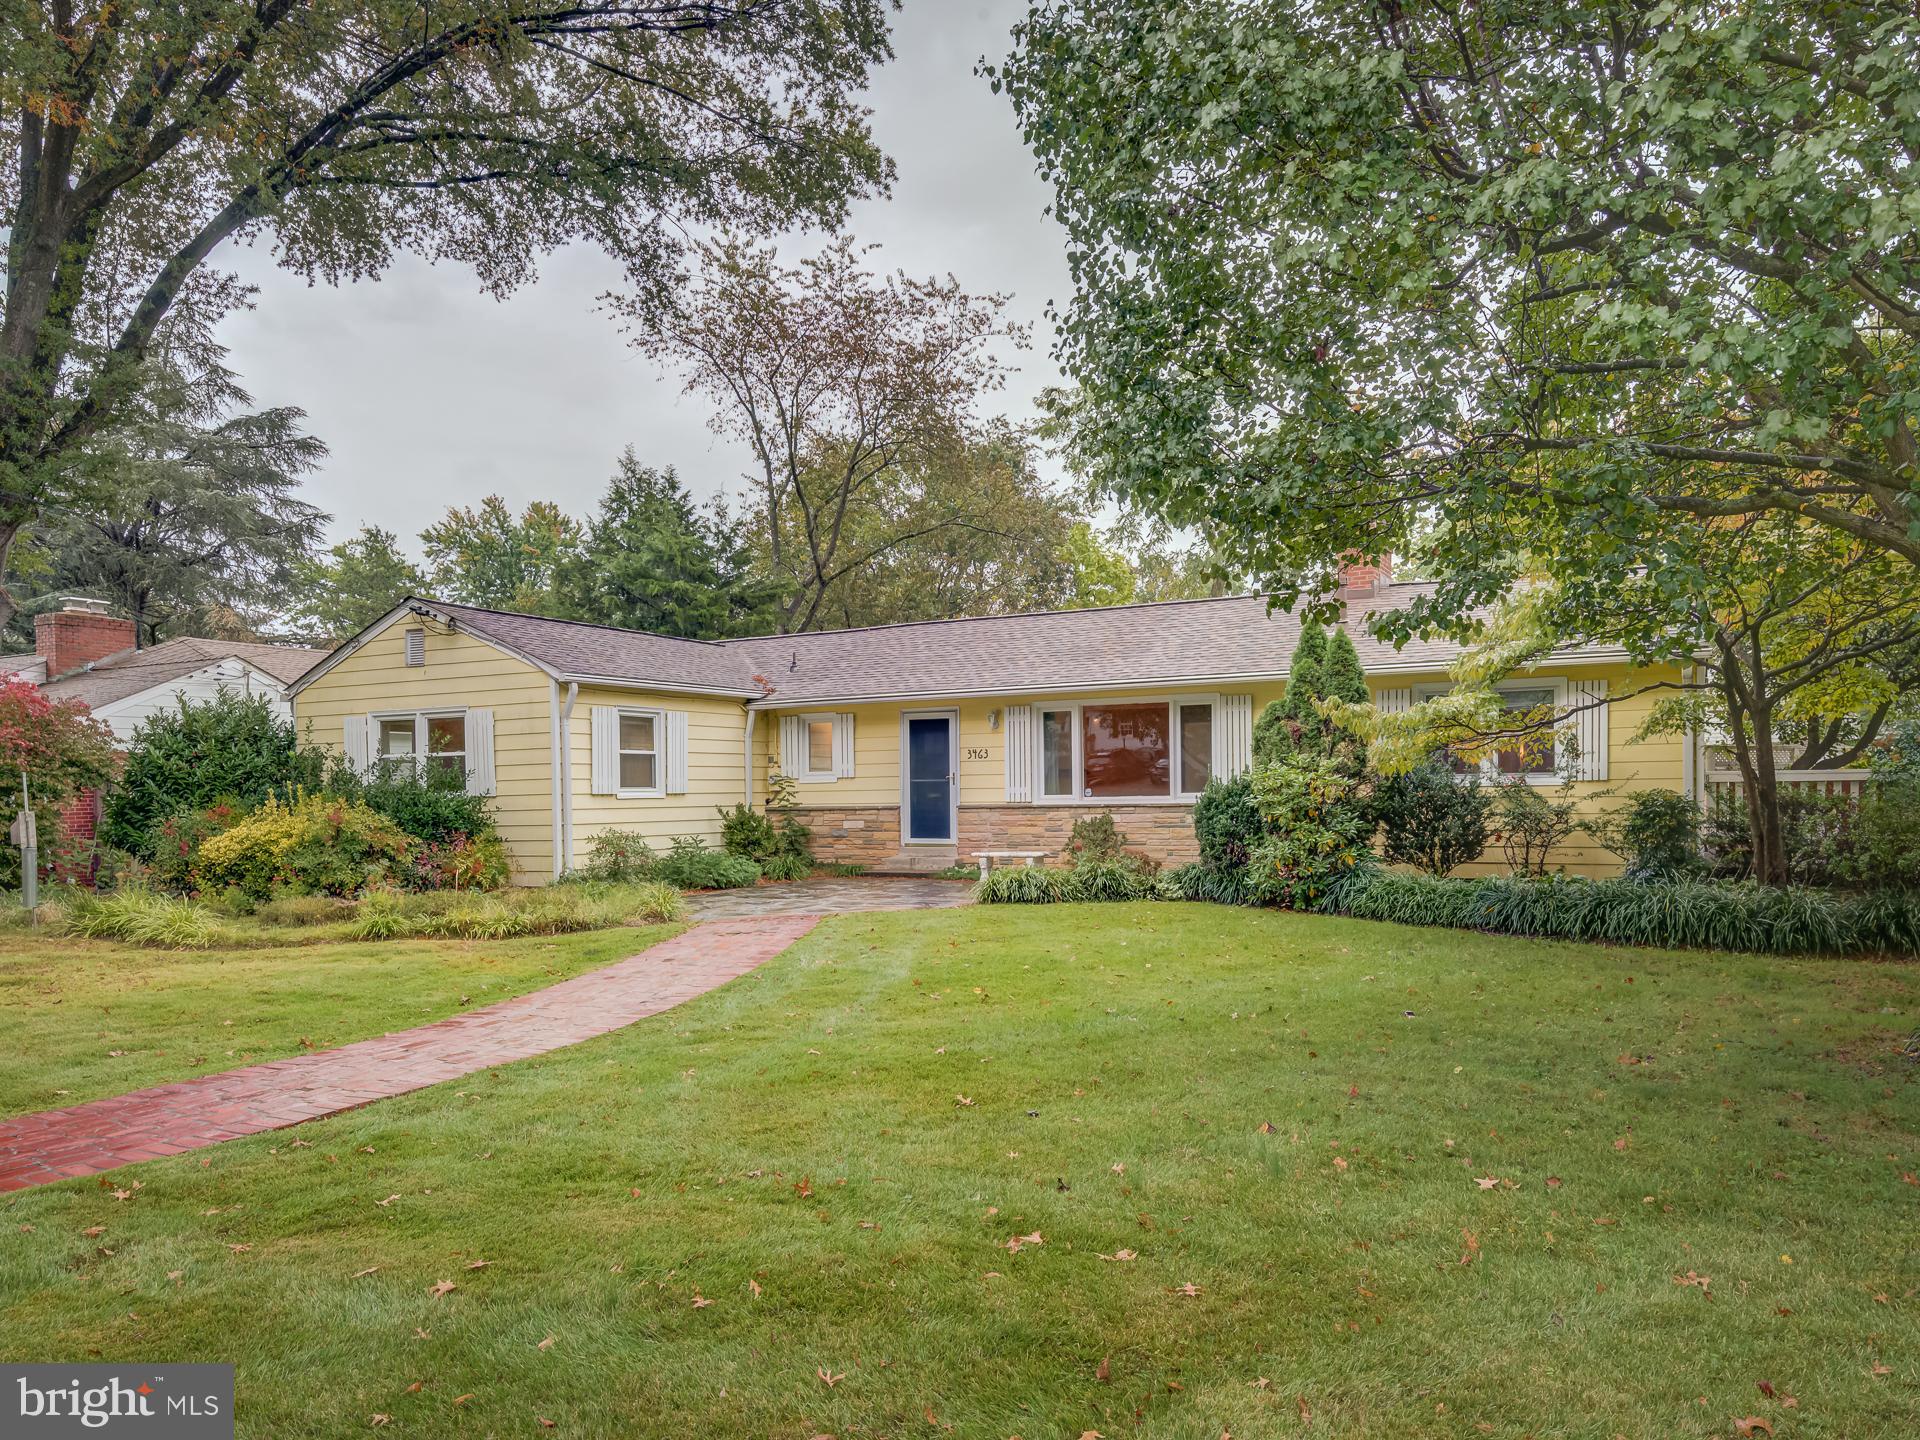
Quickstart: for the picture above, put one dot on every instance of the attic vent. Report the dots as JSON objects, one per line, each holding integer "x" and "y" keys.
{"x": 416, "y": 647}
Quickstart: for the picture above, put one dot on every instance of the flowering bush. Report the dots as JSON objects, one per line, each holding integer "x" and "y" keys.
{"x": 175, "y": 847}
{"x": 316, "y": 845}
{"x": 462, "y": 862}
{"x": 63, "y": 750}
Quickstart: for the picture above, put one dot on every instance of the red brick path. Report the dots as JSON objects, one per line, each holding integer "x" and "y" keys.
{"x": 104, "y": 1134}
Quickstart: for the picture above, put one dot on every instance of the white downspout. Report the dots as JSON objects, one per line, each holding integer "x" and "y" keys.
{"x": 554, "y": 768}
{"x": 566, "y": 773}
{"x": 747, "y": 746}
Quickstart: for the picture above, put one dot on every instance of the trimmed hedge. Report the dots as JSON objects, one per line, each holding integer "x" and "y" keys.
{"x": 1678, "y": 914}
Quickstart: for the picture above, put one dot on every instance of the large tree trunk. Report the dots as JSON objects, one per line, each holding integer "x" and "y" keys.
{"x": 1750, "y": 726}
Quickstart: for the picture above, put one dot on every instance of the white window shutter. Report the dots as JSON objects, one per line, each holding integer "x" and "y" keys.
{"x": 480, "y": 752}
{"x": 1590, "y": 728}
{"x": 1018, "y": 729}
{"x": 1392, "y": 701}
{"x": 606, "y": 750}
{"x": 676, "y": 752}
{"x": 1232, "y": 736}
{"x": 843, "y": 745}
{"x": 354, "y": 743}
{"x": 793, "y": 745}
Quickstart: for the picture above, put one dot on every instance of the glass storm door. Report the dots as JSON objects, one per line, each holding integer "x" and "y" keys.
{"x": 930, "y": 777}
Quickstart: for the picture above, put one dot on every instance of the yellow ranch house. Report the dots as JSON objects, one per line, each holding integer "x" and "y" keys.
{"x": 912, "y": 746}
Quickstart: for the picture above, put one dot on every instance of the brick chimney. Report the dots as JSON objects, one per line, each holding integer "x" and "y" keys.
{"x": 79, "y": 633}
{"x": 1359, "y": 573}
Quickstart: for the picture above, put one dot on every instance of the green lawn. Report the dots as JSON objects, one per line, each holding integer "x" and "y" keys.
{"x": 84, "y": 1018}
{"x": 1409, "y": 1182}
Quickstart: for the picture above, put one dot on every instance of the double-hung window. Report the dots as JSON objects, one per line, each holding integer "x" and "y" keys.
{"x": 1122, "y": 750}
{"x": 436, "y": 738}
{"x": 640, "y": 752}
{"x": 1535, "y": 756}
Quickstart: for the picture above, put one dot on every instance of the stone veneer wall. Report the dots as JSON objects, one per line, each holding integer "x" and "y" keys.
{"x": 870, "y": 834}
{"x": 853, "y": 834}
{"x": 1162, "y": 831}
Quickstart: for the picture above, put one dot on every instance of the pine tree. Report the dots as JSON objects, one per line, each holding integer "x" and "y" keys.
{"x": 1281, "y": 725}
{"x": 1341, "y": 677}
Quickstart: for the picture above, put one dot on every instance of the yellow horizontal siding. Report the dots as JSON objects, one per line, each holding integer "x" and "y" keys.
{"x": 460, "y": 671}
{"x": 716, "y": 771}
{"x": 1655, "y": 763}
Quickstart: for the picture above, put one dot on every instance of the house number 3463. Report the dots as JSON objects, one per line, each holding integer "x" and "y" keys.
{"x": 977, "y": 752}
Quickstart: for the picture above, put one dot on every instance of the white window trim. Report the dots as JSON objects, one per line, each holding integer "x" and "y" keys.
{"x": 804, "y": 772}
{"x": 659, "y": 752}
{"x": 1490, "y": 763}
{"x": 420, "y": 718}
{"x": 1043, "y": 708}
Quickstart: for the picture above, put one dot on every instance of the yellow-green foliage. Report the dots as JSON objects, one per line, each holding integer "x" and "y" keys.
{"x": 143, "y": 918}
{"x": 558, "y": 910}
{"x": 317, "y": 845}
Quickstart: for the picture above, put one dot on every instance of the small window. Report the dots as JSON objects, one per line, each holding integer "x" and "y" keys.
{"x": 639, "y": 751}
{"x": 447, "y": 744}
{"x": 1124, "y": 751}
{"x": 396, "y": 738}
{"x": 1538, "y": 757}
{"x": 1196, "y": 747}
{"x": 820, "y": 746}
{"x": 1056, "y": 752}
{"x": 416, "y": 647}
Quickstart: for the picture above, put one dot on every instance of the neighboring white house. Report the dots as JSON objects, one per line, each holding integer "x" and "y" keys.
{"x": 81, "y": 652}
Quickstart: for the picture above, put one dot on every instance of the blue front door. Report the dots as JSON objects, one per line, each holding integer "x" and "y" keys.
{"x": 930, "y": 777}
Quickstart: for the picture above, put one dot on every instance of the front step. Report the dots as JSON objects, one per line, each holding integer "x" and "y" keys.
{"x": 919, "y": 860}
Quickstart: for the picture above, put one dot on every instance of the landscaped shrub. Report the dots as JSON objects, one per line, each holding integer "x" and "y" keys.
{"x": 1315, "y": 830}
{"x": 232, "y": 748}
{"x": 1094, "y": 838}
{"x": 1656, "y": 832}
{"x": 1226, "y": 823}
{"x": 745, "y": 831}
{"x": 784, "y": 866}
{"x": 141, "y": 917}
{"x": 1111, "y": 879}
{"x": 617, "y": 855}
{"x": 59, "y": 749}
{"x": 556, "y": 910}
{"x": 1200, "y": 881}
{"x": 175, "y": 845}
{"x": 1026, "y": 885}
{"x": 462, "y": 862}
{"x": 1678, "y": 914}
{"x": 1885, "y": 835}
{"x": 1816, "y": 835}
{"x": 316, "y": 845}
{"x": 692, "y": 866}
{"x": 1533, "y": 826}
{"x": 1431, "y": 818}
{"x": 432, "y": 805}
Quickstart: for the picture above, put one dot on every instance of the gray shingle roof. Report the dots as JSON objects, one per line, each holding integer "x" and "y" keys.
{"x": 1178, "y": 642}
{"x": 1173, "y": 642}
{"x": 131, "y": 671}
{"x": 605, "y": 652}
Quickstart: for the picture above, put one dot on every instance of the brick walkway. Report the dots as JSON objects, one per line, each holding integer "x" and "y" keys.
{"x": 105, "y": 1134}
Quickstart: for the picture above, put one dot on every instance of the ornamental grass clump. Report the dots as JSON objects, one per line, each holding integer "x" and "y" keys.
{"x": 141, "y": 917}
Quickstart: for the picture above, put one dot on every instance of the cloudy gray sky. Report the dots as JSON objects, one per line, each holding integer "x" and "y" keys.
{"x": 430, "y": 393}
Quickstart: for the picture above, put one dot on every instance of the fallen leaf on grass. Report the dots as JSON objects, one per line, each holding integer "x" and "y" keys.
{"x": 1695, "y": 1279}
{"x": 462, "y": 1399}
{"x": 1339, "y": 1163}
{"x": 1752, "y": 1423}
{"x": 239, "y": 1249}
{"x": 376, "y": 1421}
{"x": 1306, "y": 1412}
{"x": 828, "y": 1378}
{"x": 388, "y": 1201}
{"x": 416, "y": 1387}
{"x": 362, "y": 1274}
{"x": 1017, "y": 1242}
{"x": 700, "y": 1302}
{"x": 805, "y": 1188}
{"x": 1103, "y": 1372}
{"x": 1553, "y": 1182}
{"x": 1487, "y": 1182}
{"x": 1121, "y": 1255}
{"x": 754, "y": 1287}
{"x": 1879, "y": 1369}
{"x": 1472, "y": 1251}
{"x": 92, "y": 1230}
{"x": 546, "y": 1344}
{"x": 545, "y": 1423}
{"x": 478, "y": 1264}
{"x": 444, "y": 1287}
{"x": 963, "y": 1101}
{"x": 1190, "y": 1290}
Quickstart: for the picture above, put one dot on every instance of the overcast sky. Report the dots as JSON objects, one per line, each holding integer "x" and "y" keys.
{"x": 430, "y": 393}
